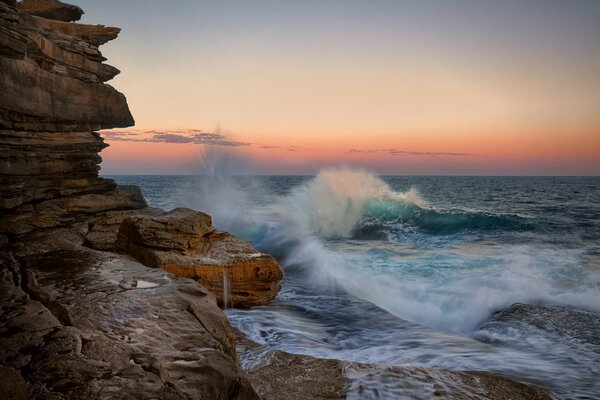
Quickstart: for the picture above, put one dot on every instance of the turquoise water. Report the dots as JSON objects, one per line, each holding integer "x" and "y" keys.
{"x": 405, "y": 270}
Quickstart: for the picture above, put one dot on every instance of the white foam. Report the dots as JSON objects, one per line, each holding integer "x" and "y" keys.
{"x": 334, "y": 201}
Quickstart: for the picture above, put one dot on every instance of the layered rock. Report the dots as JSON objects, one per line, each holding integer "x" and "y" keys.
{"x": 52, "y": 99}
{"x": 185, "y": 243}
{"x": 51, "y": 9}
{"x": 76, "y": 322}
{"x": 52, "y": 74}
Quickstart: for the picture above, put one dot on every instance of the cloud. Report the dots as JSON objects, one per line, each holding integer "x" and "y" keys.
{"x": 177, "y": 136}
{"x": 288, "y": 148}
{"x": 398, "y": 152}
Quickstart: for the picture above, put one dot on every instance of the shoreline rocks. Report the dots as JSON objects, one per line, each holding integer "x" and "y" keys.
{"x": 87, "y": 324}
{"x": 77, "y": 322}
{"x": 276, "y": 374}
{"x": 185, "y": 243}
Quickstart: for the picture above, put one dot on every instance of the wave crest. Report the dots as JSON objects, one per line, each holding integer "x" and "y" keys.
{"x": 334, "y": 202}
{"x": 345, "y": 203}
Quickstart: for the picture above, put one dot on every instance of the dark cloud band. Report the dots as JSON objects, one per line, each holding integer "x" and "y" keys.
{"x": 398, "y": 152}
{"x": 178, "y": 136}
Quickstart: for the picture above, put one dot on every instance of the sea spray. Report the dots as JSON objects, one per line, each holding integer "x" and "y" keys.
{"x": 339, "y": 204}
{"x": 220, "y": 190}
{"x": 479, "y": 245}
{"x": 335, "y": 201}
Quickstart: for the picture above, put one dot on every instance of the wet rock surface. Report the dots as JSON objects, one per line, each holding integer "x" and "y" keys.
{"x": 562, "y": 334}
{"x": 279, "y": 375}
{"x": 87, "y": 324}
{"x": 567, "y": 322}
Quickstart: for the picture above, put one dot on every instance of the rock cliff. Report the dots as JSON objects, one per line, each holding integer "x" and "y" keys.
{"x": 52, "y": 99}
{"x": 78, "y": 321}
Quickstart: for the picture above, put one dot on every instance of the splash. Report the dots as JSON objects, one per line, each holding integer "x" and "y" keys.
{"x": 218, "y": 189}
{"x": 336, "y": 200}
{"x": 454, "y": 289}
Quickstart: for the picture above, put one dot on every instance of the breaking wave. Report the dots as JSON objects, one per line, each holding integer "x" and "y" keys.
{"x": 344, "y": 203}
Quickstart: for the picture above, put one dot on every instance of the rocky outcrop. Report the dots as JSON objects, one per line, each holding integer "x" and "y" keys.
{"x": 278, "y": 375}
{"x": 52, "y": 99}
{"x": 568, "y": 338}
{"x": 578, "y": 325}
{"x": 51, "y": 9}
{"x": 185, "y": 243}
{"x": 89, "y": 324}
{"x": 77, "y": 322}
{"x": 52, "y": 74}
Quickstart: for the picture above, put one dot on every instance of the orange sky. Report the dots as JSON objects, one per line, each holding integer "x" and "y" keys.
{"x": 512, "y": 88}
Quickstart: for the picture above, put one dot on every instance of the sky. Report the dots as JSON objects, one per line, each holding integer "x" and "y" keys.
{"x": 462, "y": 87}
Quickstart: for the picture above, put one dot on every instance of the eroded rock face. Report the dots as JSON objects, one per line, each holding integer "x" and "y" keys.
{"x": 52, "y": 98}
{"x": 51, "y": 9}
{"x": 75, "y": 322}
{"x": 52, "y": 74}
{"x": 87, "y": 324}
{"x": 185, "y": 243}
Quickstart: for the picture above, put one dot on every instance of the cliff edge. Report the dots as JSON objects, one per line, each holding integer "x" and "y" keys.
{"x": 86, "y": 310}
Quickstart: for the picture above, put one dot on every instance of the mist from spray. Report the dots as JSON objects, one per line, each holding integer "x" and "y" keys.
{"x": 303, "y": 229}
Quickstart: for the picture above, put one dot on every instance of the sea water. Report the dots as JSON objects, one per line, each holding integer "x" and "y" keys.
{"x": 403, "y": 270}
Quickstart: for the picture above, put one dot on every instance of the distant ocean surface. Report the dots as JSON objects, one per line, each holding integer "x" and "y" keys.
{"x": 403, "y": 270}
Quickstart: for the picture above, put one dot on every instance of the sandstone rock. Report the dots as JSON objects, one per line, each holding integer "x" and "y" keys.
{"x": 12, "y": 3}
{"x": 236, "y": 273}
{"x": 132, "y": 332}
{"x": 181, "y": 229}
{"x": 43, "y": 165}
{"x": 51, "y": 99}
{"x": 184, "y": 242}
{"x": 104, "y": 228}
{"x": 12, "y": 384}
{"x": 52, "y": 74}
{"x": 51, "y": 9}
{"x": 64, "y": 211}
{"x": 74, "y": 322}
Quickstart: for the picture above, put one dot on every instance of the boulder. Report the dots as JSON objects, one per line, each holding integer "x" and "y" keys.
{"x": 185, "y": 243}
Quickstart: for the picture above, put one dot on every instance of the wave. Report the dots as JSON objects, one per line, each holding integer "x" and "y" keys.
{"x": 344, "y": 203}
{"x": 454, "y": 288}
{"x": 382, "y": 216}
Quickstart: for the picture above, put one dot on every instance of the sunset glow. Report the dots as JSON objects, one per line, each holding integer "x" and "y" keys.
{"x": 512, "y": 89}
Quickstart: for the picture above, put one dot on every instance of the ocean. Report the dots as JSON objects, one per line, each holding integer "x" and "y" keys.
{"x": 409, "y": 270}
